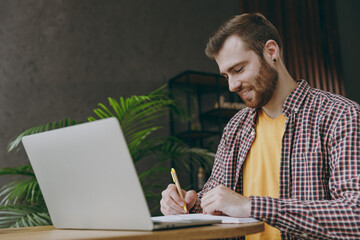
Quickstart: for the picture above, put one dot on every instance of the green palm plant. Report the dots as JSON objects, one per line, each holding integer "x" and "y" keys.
{"x": 22, "y": 203}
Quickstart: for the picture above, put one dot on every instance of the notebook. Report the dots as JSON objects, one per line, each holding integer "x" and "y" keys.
{"x": 89, "y": 181}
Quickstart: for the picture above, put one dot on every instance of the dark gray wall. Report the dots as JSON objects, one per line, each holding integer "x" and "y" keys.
{"x": 60, "y": 58}
{"x": 348, "y": 16}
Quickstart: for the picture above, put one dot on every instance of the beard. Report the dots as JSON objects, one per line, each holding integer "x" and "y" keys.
{"x": 264, "y": 86}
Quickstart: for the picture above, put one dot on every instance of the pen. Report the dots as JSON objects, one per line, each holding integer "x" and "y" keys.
{"x": 176, "y": 181}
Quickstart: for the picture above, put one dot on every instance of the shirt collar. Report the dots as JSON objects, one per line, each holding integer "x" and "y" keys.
{"x": 296, "y": 98}
{"x": 292, "y": 102}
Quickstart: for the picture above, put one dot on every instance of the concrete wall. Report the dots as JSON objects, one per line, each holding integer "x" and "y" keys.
{"x": 60, "y": 58}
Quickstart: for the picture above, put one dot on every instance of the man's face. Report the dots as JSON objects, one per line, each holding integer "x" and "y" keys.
{"x": 254, "y": 80}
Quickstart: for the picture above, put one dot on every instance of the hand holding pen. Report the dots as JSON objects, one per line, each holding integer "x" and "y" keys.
{"x": 177, "y": 183}
{"x": 176, "y": 200}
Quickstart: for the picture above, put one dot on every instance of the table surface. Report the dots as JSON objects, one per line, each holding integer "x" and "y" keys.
{"x": 204, "y": 232}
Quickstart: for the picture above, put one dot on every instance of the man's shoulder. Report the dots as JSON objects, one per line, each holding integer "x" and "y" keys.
{"x": 328, "y": 101}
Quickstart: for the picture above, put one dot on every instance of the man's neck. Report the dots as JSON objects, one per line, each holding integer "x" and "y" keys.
{"x": 283, "y": 89}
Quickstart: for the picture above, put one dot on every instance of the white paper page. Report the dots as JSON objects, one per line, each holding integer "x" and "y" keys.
{"x": 197, "y": 216}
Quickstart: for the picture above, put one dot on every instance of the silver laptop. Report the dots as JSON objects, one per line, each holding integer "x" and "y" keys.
{"x": 88, "y": 179}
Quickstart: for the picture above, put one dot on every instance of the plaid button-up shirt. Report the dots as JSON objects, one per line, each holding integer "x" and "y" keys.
{"x": 319, "y": 187}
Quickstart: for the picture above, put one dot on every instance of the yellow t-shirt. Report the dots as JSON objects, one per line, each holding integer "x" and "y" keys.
{"x": 262, "y": 165}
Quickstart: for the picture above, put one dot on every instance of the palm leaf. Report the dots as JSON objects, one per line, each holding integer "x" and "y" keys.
{"x": 174, "y": 149}
{"x": 23, "y": 216}
{"x": 22, "y": 190}
{"x": 23, "y": 170}
{"x": 136, "y": 114}
{"x": 14, "y": 143}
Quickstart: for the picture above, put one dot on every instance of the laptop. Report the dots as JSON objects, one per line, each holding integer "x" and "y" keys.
{"x": 89, "y": 181}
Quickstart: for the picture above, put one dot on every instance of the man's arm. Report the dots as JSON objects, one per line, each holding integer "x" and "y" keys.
{"x": 338, "y": 218}
{"x": 217, "y": 173}
{"x": 224, "y": 201}
{"x": 171, "y": 202}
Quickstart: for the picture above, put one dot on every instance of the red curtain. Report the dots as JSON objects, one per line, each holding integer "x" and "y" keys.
{"x": 309, "y": 32}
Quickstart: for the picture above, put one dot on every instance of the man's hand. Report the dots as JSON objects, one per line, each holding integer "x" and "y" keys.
{"x": 222, "y": 200}
{"x": 171, "y": 202}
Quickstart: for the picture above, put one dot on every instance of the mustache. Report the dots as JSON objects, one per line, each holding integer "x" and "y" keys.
{"x": 244, "y": 88}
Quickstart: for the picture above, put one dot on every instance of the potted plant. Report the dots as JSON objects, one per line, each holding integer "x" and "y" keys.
{"x": 22, "y": 203}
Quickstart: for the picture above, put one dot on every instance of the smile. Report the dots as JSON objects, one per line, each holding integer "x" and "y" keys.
{"x": 244, "y": 94}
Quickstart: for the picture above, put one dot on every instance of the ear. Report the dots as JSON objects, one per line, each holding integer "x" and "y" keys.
{"x": 271, "y": 51}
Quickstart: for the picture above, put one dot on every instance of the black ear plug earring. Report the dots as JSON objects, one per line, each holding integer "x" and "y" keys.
{"x": 274, "y": 59}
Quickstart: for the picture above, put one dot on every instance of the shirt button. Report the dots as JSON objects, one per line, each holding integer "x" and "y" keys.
{"x": 263, "y": 219}
{"x": 304, "y": 235}
{"x": 252, "y": 133}
{"x": 296, "y": 109}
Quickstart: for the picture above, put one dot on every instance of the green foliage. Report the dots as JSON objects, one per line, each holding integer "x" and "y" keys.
{"x": 136, "y": 115}
{"x": 24, "y": 170}
{"x": 22, "y": 203}
{"x": 16, "y": 191}
{"x": 14, "y": 143}
{"x": 23, "y": 216}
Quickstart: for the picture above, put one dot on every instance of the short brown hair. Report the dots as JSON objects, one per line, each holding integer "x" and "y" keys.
{"x": 254, "y": 29}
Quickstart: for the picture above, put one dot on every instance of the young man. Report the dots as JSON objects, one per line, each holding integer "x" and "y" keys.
{"x": 292, "y": 158}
